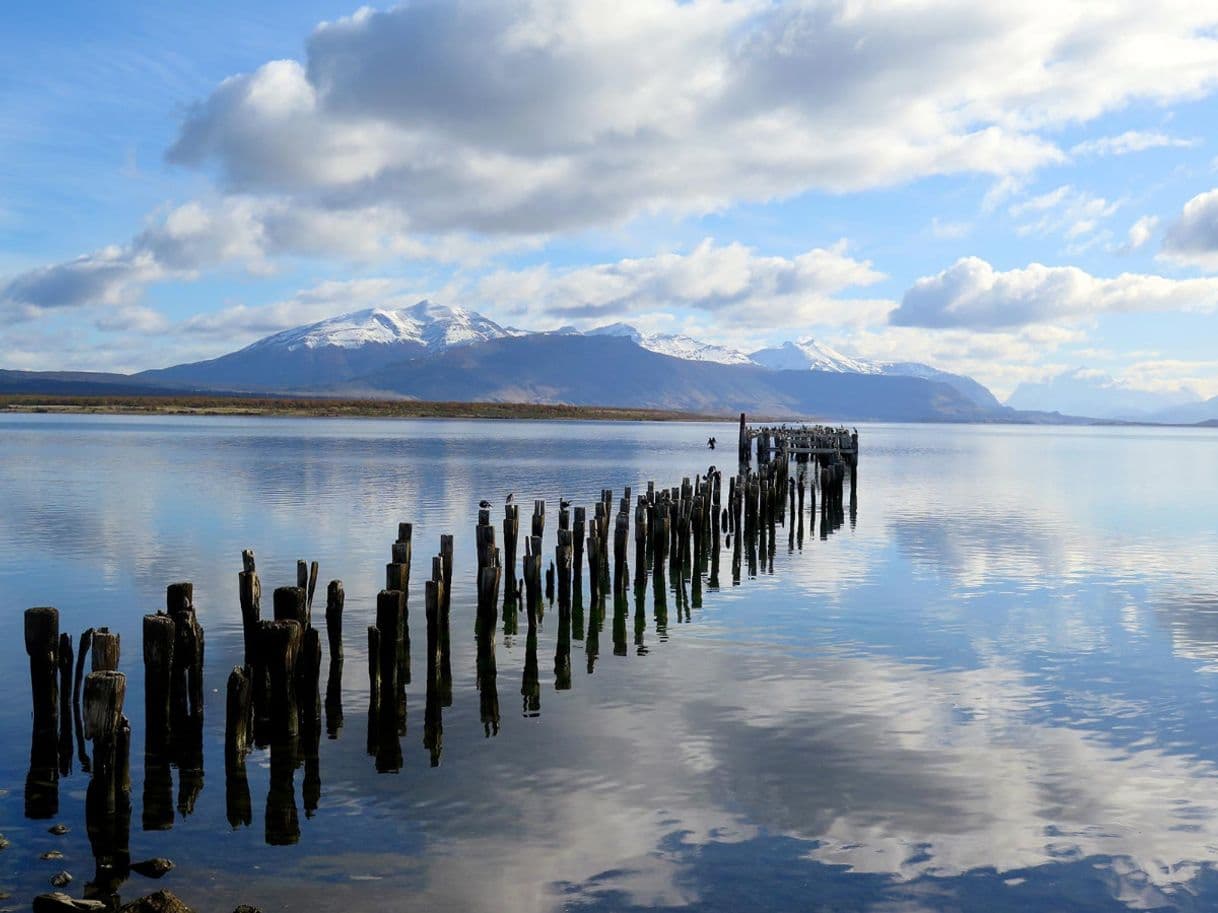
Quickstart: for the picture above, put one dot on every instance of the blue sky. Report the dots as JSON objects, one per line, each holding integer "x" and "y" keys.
{"x": 1010, "y": 194}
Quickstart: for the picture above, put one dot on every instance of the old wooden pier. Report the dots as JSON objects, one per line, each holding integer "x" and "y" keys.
{"x": 273, "y": 698}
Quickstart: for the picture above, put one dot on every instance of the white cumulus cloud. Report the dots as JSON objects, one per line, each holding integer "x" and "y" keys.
{"x": 972, "y": 294}
{"x": 1192, "y": 239}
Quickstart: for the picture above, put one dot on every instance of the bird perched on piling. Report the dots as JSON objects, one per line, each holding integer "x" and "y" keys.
{"x": 484, "y": 504}
{"x": 511, "y": 497}
{"x": 563, "y": 503}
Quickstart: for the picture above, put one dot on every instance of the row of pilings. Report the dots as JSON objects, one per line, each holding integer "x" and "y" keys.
{"x": 633, "y": 545}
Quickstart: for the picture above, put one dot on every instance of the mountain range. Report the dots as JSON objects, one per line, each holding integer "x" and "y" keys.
{"x": 436, "y": 352}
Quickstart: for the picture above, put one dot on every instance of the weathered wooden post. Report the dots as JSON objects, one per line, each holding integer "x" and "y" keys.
{"x": 249, "y": 591}
{"x": 403, "y": 550}
{"x": 390, "y": 612}
{"x": 105, "y": 650}
{"x": 621, "y": 532}
{"x": 188, "y": 649}
{"x": 238, "y": 719}
{"x": 42, "y": 647}
{"x": 290, "y": 604}
{"x": 103, "y": 712}
{"x": 742, "y": 448}
{"x": 578, "y": 533}
{"x": 308, "y": 684}
{"x": 433, "y": 720}
{"x": 539, "y": 518}
{"x": 281, "y": 642}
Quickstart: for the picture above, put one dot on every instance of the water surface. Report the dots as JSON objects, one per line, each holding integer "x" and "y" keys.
{"x": 994, "y": 689}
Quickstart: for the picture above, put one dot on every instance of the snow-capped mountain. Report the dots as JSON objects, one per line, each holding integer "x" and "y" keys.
{"x": 364, "y": 350}
{"x": 339, "y": 349}
{"x": 676, "y": 345}
{"x": 813, "y": 355}
{"x": 433, "y": 326}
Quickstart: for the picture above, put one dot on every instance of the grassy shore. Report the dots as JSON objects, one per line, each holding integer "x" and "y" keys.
{"x": 331, "y": 408}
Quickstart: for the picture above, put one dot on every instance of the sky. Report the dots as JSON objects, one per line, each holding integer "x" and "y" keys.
{"x": 1010, "y": 191}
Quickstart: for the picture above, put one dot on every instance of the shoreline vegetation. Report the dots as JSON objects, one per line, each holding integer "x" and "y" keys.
{"x": 335, "y": 408}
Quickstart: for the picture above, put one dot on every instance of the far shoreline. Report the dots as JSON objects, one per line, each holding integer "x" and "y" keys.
{"x": 296, "y": 407}
{"x": 323, "y": 407}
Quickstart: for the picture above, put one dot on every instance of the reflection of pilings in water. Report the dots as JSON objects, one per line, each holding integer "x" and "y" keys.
{"x": 592, "y": 639}
{"x": 187, "y": 753}
{"x": 282, "y": 823}
{"x": 433, "y": 721}
{"x": 640, "y": 619}
{"x": 530, "y": 685}
{"x": 511, "y": 611}
{"x": 108, "y": 796}
{"x": 562, "y": 648}
{"x": 238, "y": 736}
{"x": 334, "y": 698}
{"x": 42, "y": 646}
{"x": 310, "y": 787}
{"x": 659, "y": 591}
{"x": 620, "y": 609}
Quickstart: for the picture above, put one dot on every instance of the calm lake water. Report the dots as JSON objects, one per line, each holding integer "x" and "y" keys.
{"x": 996, "y": 689}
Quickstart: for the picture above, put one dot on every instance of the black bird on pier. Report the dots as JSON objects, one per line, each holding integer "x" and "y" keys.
{"x": 511, "y": 497}
{"x": 563, "y": 503}
{"x": 484, "y": 504}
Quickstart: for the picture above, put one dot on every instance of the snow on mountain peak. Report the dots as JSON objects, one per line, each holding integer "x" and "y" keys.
{"x": 676, "y": 345}
{"x": 427, "y": 324}
{"x": 808, "y": 354}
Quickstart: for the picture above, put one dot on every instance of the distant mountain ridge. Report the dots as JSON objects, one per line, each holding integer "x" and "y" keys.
{"x": 436, "y": 351}
{"x": 1087, "y": 392}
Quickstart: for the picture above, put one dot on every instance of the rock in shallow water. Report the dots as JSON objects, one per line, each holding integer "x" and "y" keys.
{"x": 160, "y": 902}
{"x": 58, "y": 829}
{"x": 61, "y": 879}
{"x": 153, "y": 868}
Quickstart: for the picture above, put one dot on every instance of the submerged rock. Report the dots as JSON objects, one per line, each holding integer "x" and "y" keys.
{"x": 246, "y": 908}
{"x": 61, "y": 879}
{"x": 58, "y": 829}
{"x": 51, "y": 854}
{"x": 4, "y": 844}
{"x": 153, "y": 868}
{"x": 62, "y": 903}
{"x": 160, "y": 902}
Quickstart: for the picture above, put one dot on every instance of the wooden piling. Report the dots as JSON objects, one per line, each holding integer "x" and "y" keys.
{"x": 105, "y": 650}
{"x": 281, "y": 642}
{"x": 334, "y": 619}
{"x": 249, "y": 591}
{"x": 291, "y": 604}
{"x": 42, "y": 646}
{"x": 159, "y": 635}
{"x": 238, "y": 719}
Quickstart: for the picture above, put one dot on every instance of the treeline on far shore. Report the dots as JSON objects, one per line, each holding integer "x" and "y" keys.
{"x": 326, "y": 407}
